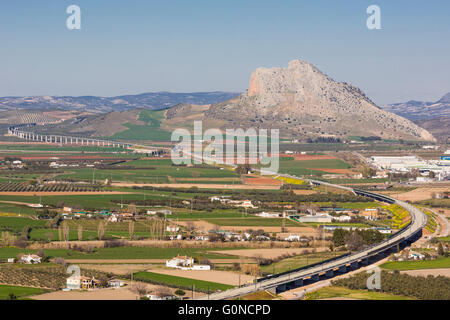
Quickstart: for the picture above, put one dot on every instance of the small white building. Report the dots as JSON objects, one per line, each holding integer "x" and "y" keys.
{"x": 324, "y": 218}
{"x": 172, "y": 229}
{"x": 185, "y": 263}
{"x": 293, "y": 237}
{"x": 116, "y": 283}
{"x": 180, "y": 261}
{"x": 268, "y": 214}
{"x": 416, "y": 256}
{"x": 156, "y": 297}
{"x": 11, "y": 260}
{"x": 30, "y": 259}
{"x": 344, "y": 218}
{"x": 202, "y": 238}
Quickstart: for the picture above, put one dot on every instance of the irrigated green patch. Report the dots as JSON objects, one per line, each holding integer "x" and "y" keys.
{"x": 6, "y": 292}
{"x": 149, "y": 131}
{"x": 180, "y": 282}
{"x": 307, "y": 167}
{"x": 417, "y": 265}
{"x": 298, "y": 262}
{"x": 17, "y": 224}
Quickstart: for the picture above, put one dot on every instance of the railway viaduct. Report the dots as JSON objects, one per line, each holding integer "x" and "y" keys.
{"x": 21, "y": 132}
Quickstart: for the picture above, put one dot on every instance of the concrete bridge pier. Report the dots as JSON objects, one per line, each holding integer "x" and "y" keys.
{"x": 281, "y": 288}
{"x": 315, "y": 277}
{"x": 354, "y": 265}
{"x": 298, "y": 283}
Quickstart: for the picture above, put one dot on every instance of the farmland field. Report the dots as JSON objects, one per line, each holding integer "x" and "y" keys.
{"x": 18, "y": 292}
{"x": 307, "y": 167}
{"x": 417, "y": 265}
{"x": 17, "y": 224}
{"x": 345, "y": 293}
{"x": 298, "y": 262}
{"x": 180, "y": 282}
{"x": 162, "y": 170}
{"x": 148, "y": 131}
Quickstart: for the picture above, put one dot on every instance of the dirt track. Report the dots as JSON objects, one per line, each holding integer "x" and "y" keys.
{"x": 428, "y": 272}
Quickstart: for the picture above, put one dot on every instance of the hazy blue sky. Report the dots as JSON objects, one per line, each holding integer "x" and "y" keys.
{"x": 127, "y": 47}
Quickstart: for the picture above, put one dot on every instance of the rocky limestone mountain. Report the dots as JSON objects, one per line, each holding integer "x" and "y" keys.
{"x": 421, "y": 110}
{"x": 303, "y": 102}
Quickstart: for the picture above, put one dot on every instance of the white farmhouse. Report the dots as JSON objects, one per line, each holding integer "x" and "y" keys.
{"x": 185, "y": 263}
{"x": 179, "y": 262}
{"x": 30, "y": 259}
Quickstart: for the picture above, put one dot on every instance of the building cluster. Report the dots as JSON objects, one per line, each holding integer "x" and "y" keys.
{"x": 110, "y": 215}
{"x": 429, "y": 170}
{"x": 235, "y": 203}
{"x": 79, "y": 282}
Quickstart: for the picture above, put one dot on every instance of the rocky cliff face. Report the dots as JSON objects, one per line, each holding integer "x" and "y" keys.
{"x": 303, "y": 102}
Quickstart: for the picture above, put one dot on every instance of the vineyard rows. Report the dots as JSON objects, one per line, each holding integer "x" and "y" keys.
{"x": 24, "y": 187}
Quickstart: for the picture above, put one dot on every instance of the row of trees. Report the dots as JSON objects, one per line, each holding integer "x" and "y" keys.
{"x": 424, "y": 288}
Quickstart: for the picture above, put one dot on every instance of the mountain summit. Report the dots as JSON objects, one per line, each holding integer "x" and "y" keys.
{"x": 302, "y": 102}
{"x": 445, "y": 99}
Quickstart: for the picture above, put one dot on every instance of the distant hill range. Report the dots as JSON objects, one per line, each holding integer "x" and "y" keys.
{"x": 92, "y": 104}
{"x": 432, "y": 116}
{"x": 421, "y": 110}
{"x": 300, "y": 101}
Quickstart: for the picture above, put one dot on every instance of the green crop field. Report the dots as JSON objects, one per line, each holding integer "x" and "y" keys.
{"x": 148, "y": 131}
{"x": 307, "y": 167}
{"x": 16, "y": 209}
{"x": 18, "y": 292}
{"x": 160, "y": 174}
{"x": 337, "y": 292}
{"x": 297, "y": 262}
{"x": 17, "y": 224}
{"x": 180, "y": 282}
{"x": 417, "y": 265}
